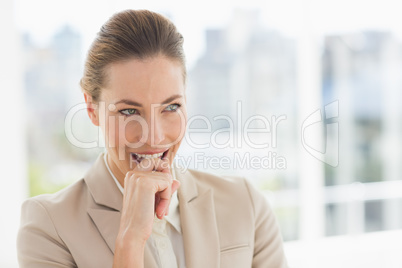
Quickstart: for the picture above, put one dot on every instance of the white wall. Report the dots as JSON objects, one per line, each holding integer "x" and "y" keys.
{"x": 12, "y": 136}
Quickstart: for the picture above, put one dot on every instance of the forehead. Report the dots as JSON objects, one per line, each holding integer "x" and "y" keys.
{"x": 146, "y": 81}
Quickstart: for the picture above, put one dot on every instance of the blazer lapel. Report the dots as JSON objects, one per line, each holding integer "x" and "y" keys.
{"x": 109, "y": 201}
{"x": 108, "y": 223}
{"x": 198, "y": 219}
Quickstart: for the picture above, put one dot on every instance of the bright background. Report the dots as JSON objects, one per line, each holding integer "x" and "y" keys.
{"x": 337, "y": 199}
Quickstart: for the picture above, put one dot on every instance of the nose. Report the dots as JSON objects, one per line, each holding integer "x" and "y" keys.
{"x": 156, "y": 133}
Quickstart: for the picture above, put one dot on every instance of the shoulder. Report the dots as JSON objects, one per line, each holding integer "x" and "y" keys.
{"x": 44, "y": 220}
{"x": 61, "y": 200}
{"x": 217, "y": 181}
{"x": 57, "y": 209}
{"x": 231, "y": 190}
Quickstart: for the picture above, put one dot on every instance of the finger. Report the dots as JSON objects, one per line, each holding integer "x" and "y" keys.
{"x": 145, "y": 165}
{"x": 164, "y": 200}
{"x": 168, "y": 207}
{"x": 157, "y": 200}
{"x": 154, "y": 164}
{"x": 162, "y": 165}
{"x": 175, "y": 186}
{"x": 162, "y": 207}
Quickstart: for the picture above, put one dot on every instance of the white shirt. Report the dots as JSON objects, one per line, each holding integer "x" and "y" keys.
{"x": 166, "y": 241}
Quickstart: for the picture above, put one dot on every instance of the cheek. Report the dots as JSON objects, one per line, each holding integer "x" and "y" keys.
{"x": 130, "y": 131}
{"x": 121, "y": 131}
{"x": 111, "y": 131}
{"x": 175, "y": 127}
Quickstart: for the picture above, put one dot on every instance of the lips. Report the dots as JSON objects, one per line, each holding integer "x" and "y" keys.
{"x": 139, "y": 157}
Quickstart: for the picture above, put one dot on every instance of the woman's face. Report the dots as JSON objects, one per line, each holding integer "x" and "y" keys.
{"x": 142, "y": 112}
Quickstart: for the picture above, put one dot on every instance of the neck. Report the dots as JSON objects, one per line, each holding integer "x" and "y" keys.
{"x": 115, "y": 170}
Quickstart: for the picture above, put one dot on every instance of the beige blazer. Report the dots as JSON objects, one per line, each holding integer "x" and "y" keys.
{"x": 225, "y": 223}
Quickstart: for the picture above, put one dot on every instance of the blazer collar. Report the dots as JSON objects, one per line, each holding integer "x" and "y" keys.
{"x": 108, "y": 198}
{"x": 198, "y": 221}
{"x": 102, "y": 186}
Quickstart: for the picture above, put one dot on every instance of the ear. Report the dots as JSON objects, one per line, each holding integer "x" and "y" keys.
{"x": 92, "y": 109}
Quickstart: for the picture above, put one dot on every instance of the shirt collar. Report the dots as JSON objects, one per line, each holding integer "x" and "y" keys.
{"x": 111, "y": 173}
{"x": 174, "y": 217}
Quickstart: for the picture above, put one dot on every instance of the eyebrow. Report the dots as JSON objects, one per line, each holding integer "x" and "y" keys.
{"x": 134, "y": 103}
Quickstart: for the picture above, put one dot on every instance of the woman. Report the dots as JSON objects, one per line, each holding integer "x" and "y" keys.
{"x": 133, "y": 208}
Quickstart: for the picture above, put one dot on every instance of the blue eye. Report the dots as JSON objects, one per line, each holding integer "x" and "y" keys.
{"x": 129, "y": 111}
{"x": 172, "y": 107}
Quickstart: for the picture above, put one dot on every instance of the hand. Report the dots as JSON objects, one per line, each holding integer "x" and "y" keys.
{"x": 147, "y": 191}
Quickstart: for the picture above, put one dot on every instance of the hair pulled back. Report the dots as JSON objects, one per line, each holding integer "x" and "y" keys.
{"x": 130, "y": 34}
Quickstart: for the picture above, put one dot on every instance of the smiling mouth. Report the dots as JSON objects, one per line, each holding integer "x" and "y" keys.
{"x": 139, "y": 157}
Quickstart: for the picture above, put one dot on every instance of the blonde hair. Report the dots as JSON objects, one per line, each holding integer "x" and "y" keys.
{"x": 130, "y": 34}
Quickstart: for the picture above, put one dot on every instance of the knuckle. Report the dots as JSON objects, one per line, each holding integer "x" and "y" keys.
{"x": 142, "y": 182}
{"x": 132, "y": 174}
{"x": 167, "y": 178}
{"x": 129, "y": 174}
{"x": 139, "y": 180}
{"x": 170, "y": 177}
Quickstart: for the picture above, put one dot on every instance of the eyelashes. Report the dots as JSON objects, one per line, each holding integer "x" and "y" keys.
{"x": 171, "y": 108}
{"x": 128, "y": 112}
